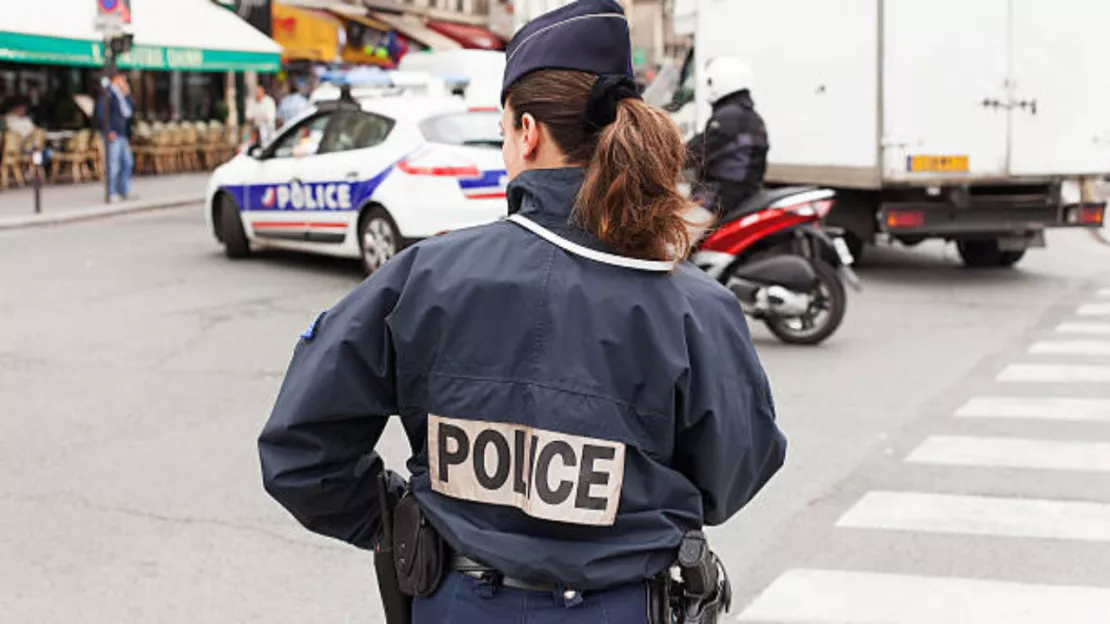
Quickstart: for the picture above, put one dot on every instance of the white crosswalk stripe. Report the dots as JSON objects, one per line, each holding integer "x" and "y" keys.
{"x": 1071, "y": 347}
{"x": 1037, "y": 408}
{"x": 1013, "y": 453}
{"x": 841, "y": 597}
{"x": 980, "y": 515}
{"x": 1055, "y": 373}
{"x": 1078, "y": 360}
{"x": 1091, "y": 329}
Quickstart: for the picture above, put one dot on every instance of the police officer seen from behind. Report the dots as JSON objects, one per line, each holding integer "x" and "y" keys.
{"x": 576, "y": 399}
{"x": 731, "y": 155}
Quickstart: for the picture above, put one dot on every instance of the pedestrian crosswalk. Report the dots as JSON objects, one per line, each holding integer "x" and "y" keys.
{"x": 819, "y": 596}
{"x": 1059, "y": 387}
{"x": 1092, "y": 329}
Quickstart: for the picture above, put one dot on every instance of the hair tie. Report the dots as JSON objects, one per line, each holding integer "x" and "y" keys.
{"x": 606, "y": 94}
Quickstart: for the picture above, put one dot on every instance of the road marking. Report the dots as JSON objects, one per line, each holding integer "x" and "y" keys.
{"x": 832, "y": 596}
{"x": 1094, "y": 309}
{"x": 1055, "y": 373}
{"x": 1042, "y": 408}
{"x": 1096, "y": 329}
{"x": 1071, "y": 347}
{"x": 980, "y": 515}
{"x": 1012, "y": 453}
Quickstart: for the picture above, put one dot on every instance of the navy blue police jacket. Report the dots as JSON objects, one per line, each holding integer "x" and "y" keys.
{"x": 569, "y": 418}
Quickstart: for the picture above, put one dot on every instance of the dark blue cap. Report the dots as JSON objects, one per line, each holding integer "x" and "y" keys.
{"x": 587, "y": 35}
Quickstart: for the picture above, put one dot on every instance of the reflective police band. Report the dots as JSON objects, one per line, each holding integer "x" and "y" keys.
{"x": 586, "y": 252}
{"x": 545, "y": 474}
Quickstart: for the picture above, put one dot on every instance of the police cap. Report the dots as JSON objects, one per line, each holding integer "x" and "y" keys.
{"x": 587, "y": 35}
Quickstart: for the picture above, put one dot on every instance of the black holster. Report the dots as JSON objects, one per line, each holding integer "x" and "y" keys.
{"x": 397, "y": 605}
{"x": 704, "y": 593}
{"x": 419, "y": 552}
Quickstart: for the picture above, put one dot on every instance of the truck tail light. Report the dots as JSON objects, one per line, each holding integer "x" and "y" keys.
{"x": 905, "y": 219}
{"x": 1092, "y": 214}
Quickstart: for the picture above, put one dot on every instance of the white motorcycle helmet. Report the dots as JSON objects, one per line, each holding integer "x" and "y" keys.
{"x": 726, "y": 75}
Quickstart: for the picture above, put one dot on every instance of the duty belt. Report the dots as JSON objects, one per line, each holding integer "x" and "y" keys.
{"x": 480, "y": 571}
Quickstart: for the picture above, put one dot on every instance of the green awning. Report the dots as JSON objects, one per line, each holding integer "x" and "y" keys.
{"x": 27, "y": 48}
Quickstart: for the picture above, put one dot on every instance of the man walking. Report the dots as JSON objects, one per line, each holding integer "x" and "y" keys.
{"x": 117, "y": 128}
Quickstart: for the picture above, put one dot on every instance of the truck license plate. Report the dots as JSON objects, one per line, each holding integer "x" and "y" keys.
{"x": 937, "y": 164}
{"x": 842, "y": 251}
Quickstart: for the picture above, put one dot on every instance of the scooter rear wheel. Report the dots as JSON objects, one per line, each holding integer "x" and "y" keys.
{"x": 824, "y": 315}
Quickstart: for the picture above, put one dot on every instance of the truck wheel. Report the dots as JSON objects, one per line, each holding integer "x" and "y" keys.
{"x": 986, "y": 253}
{"x": 234, "y": 236}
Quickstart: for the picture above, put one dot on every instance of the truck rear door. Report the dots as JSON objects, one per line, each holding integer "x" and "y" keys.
{"x": 1060, "y": 95}
{"x": 944, "y": 68}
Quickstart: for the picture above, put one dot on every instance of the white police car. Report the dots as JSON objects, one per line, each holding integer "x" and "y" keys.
{"x": 361, "y": 179}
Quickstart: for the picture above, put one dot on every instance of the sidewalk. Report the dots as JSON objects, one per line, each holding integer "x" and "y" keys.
{"x": 72, "y": 202}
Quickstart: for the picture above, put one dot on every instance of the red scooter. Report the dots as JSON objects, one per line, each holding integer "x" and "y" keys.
{"x": 787, "y": 269}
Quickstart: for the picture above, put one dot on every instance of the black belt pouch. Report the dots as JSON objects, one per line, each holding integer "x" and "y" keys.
{"x": 419, "y": 552}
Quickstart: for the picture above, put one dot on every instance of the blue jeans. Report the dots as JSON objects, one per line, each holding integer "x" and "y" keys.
{"x": 461, "y": 599}
{"x": 120, "y": 163}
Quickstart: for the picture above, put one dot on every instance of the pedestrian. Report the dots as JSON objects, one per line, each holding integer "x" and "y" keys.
{"x": 577, "y": 396}
{"x": 292, "y": 104}
{"x": 17, "y": 120}
{"x": 117, "y": 132}
{"x": 262, "y": 113}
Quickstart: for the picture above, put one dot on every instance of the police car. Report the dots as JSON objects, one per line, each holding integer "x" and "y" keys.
{"x": 361, "y": 178}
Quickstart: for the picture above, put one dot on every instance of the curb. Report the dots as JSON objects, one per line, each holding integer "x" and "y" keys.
{"x": 96, "y": 212}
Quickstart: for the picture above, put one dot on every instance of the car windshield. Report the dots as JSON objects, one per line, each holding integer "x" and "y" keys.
{"x": 473, "y": 128}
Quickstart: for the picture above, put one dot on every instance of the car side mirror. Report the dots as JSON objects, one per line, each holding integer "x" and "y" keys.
{"x": 255, "y": 151}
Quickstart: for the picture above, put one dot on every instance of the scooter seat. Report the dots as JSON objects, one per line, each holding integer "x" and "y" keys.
{"x": 765, "y": 197}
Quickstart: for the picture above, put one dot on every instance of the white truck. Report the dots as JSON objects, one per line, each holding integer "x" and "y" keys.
{"x": 977, "y": 121}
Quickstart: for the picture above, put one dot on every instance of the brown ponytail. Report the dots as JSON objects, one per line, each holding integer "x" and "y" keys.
{"x": 629, "y": 200}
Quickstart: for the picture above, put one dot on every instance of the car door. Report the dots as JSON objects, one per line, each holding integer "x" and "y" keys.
{"x": 348, "y": 166}
{"x": 270, "y": 197}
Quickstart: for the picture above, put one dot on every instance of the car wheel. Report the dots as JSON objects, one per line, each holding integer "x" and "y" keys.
{"x": 986, "y": 253}
{"x": 378, "y": 239}
{"x": 236, "y": 244}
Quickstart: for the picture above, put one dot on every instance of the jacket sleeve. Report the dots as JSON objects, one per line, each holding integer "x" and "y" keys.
{"x": 317, "y": 448}
{"x": 728, "y": 443}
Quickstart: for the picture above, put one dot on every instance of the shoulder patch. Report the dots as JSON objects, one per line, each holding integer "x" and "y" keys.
{"x": 310, "y": 333}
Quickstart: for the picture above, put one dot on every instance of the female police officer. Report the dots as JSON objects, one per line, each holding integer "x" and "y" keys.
{"x": 576, "y": 396}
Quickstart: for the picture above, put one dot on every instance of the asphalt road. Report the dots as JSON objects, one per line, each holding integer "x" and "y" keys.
{"x": 137, "y": 366}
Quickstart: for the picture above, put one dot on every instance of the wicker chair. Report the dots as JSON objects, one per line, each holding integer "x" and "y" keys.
{"x": 97, "y": 155}
{"x": 35, "y": 142}
{"x": 76, "y": 155}
{"x": 11, "y": 160}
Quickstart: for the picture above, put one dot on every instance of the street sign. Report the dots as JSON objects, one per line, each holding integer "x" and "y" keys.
{"x": 112, "y": 16}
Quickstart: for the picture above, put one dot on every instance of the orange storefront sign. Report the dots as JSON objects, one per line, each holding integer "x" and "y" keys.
{"x": 306, "y": 35}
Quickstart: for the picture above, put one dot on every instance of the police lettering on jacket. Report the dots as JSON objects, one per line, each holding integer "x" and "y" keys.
{"x": 545, "y": 474}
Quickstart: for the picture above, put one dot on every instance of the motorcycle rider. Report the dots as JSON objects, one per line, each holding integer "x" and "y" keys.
{"x": 730, "y": 156}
